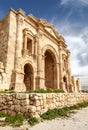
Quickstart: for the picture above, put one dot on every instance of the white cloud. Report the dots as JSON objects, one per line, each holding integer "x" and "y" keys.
{"x": 77, "y": 41}
{"x": 79, "y": 53}
{"x": 76, "y": 46}
{"x": 64, "y": 2}
{"x": 83, "y": 2}
{"x": 84, "y": 82}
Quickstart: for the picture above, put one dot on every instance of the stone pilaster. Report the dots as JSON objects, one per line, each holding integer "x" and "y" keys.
{"x": 61, "y": 68}
{"x": 18, "y": 85}
{"x": 40, "y": 80}
{"x": 70, "y": 87}
{"x": 58, "y": 75}
{"x": 18, "y": 48}
{"x": 19, "y": 36}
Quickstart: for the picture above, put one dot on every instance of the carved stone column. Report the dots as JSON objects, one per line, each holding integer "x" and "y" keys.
{"x": 19, "y": 37}
{"x": 69, "y": 72}
{"x": 40, "y": 81}
{"x": 18, "y": 48}
{"x": 62, "y": 85}
{"x": 58, "y": 75}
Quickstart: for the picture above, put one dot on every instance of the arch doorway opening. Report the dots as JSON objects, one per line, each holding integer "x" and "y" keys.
{"x": 65, "y": 82}
{"x": 28, "y": 76}
{"x": 50, "y": 70}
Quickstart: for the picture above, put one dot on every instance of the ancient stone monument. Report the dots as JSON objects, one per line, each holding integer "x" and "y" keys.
{"x": 33, "y": 55}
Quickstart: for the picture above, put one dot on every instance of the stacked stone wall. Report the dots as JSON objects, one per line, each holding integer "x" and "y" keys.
{"x": 37, "y": 104}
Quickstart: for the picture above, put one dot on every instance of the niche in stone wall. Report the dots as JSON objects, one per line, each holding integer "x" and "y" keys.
{"x": 29, "y": 45}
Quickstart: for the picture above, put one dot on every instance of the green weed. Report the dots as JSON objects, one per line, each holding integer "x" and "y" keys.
{"x": 63, "y": 112}
{"x": 16, "y": 120}
{"x": 32, "y": 121}
{"x": 45, "y": 91}
{"x": 2, "y": 114}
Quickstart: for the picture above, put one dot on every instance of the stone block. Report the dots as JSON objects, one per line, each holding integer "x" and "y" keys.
{"x": 32, "y": 108}
{"x": 22, "y": 96}
{"x": 17, "y": 108}
{"x": 37, "y": 103}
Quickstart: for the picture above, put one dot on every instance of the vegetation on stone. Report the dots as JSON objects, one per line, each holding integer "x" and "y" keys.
{"x": 17, "y": 120}
{"x": 14, "y": 120}
{"x": 63, "y": 112}
{"x": 32, "y": 121}
{"x": 46, "y": 91}
{"x": 2, "y": 114}
{"x": 36, "y": 91}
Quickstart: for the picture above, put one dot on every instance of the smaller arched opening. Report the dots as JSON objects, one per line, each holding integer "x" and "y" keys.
{"x": 64, "y": 79}
{"x": 65, "y": 82}
{"x": 28, "y": 76}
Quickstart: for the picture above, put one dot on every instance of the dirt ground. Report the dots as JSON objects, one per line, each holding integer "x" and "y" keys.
{"x": 77, "y": 121}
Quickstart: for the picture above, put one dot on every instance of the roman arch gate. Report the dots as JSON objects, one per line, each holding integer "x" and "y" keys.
{"x": 37, "y": 56}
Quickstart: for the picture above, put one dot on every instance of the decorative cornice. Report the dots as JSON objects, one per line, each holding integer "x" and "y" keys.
{"x": 27, "y": 31}
{"x": 41, "y": 25}
{"x": 19, "y": 11}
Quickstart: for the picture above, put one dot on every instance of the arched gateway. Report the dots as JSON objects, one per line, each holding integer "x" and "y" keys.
{"x": 39, "y": 57}
{"x": 50, "y": 70}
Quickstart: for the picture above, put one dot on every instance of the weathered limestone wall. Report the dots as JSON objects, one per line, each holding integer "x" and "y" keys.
{"x": 36, "y": 104}
{"x": 7, "y": 44}
{"x": 11, "y": 48}
{"x": 3, "y": 78}
{"x": 4, "y": 31}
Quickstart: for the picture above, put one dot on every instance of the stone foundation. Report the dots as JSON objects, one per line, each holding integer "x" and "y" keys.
{"x": 37, "y": 104}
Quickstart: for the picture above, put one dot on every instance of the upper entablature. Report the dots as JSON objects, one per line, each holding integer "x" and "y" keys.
{"x": 47, "y": 29}
{"x": 44, "y": 26}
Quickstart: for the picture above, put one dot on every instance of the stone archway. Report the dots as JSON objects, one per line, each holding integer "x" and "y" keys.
{"x": 50, "y": 70}
{"x": 28, "y": 76}
{"x": 65, "y": 83}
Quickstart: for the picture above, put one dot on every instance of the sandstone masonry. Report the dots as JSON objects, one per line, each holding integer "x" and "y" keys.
{"x": 33, "y": 105}
{"x": 33, "y": 55}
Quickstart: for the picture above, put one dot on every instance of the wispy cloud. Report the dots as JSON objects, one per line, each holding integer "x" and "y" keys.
{"x": 77, "y": 41}
{"x": 65, "y": 2}
{"x": 73, "y": 25}
{"x": 84, "y": 1}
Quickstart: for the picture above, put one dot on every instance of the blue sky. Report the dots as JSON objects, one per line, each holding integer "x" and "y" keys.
{"x": 70, "y": 18}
